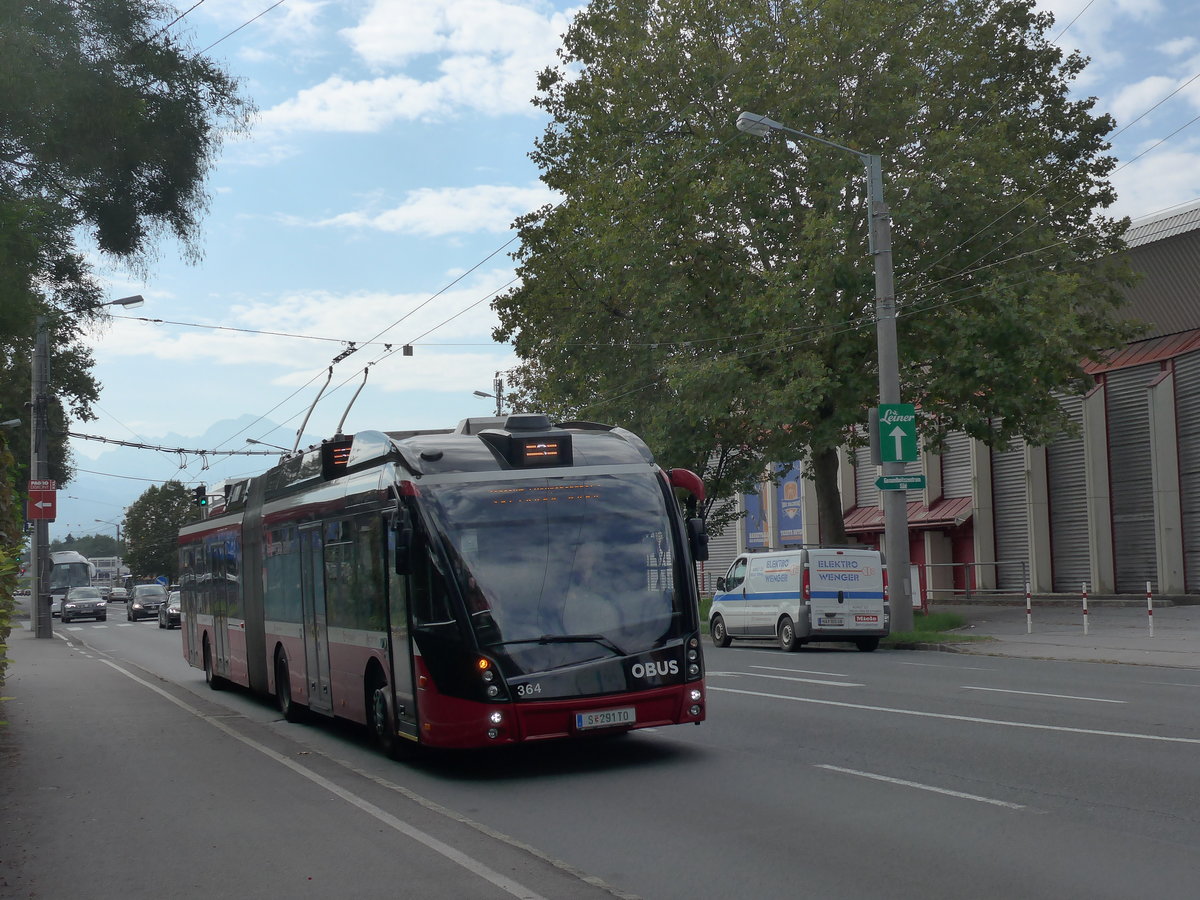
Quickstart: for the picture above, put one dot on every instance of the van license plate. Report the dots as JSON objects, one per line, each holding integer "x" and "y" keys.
{"x": 829, "y": 620}
{"x": 605, "y": 718}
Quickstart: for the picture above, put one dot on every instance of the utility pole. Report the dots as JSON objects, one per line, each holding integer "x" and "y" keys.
{"x": 498, "y": 390}
{"x": 39, "y": 470}
{"x": 879, "y": 237}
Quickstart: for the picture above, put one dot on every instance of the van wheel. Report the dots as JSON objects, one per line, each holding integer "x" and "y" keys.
{"x": 716, "y": 630}
{"x": 787, "y": 635}
{"x": 866, "y": 645}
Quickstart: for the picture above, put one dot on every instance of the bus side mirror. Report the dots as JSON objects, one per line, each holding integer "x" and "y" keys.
{"x": 698, "y": 538}
{"x": 402, "y": 532}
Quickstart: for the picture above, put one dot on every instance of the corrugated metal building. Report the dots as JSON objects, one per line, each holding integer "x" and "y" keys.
{"x": 1115, "y": 507}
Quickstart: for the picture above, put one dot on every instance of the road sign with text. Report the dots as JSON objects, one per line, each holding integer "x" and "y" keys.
{"x": 897, "y": 424}
{"x": 900, "y": 482}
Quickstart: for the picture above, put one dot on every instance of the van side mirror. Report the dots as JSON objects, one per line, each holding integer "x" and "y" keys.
{"x": 720, "y": 582}
{"x": 698, "y": 538}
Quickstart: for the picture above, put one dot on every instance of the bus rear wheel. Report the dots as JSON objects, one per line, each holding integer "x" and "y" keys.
{"x": 288, "y": 708}
{"x": 215, "y": 681}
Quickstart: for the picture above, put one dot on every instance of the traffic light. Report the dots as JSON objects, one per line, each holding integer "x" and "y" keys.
{"x": 200, "y": 495}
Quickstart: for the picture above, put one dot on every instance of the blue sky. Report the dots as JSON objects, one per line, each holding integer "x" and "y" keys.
{"x": 376, "y": 192}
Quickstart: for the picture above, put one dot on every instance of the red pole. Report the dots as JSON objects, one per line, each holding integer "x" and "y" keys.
{"x": 1085, "y": 612}
{"x": 1150, "y": 608}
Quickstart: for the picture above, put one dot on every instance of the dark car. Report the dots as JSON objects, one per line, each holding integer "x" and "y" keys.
{"x": 168, "y": 613}
{"x": 84, "y": 603}
{"x": 145, "y": 601}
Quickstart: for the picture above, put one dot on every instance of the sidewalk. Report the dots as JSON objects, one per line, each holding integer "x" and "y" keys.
{"x": 1117, "y": 632}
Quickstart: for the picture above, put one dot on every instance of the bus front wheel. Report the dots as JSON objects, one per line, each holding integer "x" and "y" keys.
{"x": 383, "y": 721}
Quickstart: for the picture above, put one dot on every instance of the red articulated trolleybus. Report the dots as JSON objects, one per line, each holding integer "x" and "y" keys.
{"x": 505, "y": 581}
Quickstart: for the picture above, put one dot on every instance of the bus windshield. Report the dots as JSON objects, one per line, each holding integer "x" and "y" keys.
{"x": 555, "y": 571}
{"x": 64, "y": 576}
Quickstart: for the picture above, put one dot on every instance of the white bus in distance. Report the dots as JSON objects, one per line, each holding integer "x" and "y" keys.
{"x": 799, "y": 596}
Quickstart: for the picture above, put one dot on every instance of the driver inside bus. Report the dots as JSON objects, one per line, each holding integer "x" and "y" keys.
{"x": 590, "y": 606}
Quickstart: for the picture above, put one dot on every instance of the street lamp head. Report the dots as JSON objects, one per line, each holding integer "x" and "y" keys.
{"x": 753, "y": 123}
{"x": 265, "y": 444}
{"x": 10, "y": 423}
{"x": 128, "y": 302}
{"x": 484, "y": 394}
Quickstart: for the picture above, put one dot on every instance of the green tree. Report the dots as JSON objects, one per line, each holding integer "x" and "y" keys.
{"x": 109, "y": 126}
{"x": 89, "y": 545}
{"x": 715, "y": 292}
{"x": 152, "y": 524}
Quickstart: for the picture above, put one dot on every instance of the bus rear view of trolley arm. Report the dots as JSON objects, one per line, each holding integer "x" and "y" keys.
{"x": 506, "y": 581}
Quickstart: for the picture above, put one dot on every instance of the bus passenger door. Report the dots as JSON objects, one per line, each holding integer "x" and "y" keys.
{"x": 312, "y": 600}
{"x": 219, "y": 607}
{"x": 399, "y": 641}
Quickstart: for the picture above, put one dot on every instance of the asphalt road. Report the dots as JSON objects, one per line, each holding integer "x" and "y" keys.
{"x": 823, "y": 773}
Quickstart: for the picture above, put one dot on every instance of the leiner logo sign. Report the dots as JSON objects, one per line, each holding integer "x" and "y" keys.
{"x": 897, "y": 432}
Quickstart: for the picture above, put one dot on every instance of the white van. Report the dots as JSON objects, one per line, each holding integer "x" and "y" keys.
{"x": 798, "y": 596}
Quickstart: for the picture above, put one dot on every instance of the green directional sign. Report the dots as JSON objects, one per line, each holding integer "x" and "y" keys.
{"x": 900, "y": 482}
{"x": 897, "y": 425}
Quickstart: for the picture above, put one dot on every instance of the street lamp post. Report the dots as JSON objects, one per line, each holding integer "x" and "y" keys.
{"x": 895, "y": 506}
{"x": 498, "y": 388}
{"x": 39, "y": 467}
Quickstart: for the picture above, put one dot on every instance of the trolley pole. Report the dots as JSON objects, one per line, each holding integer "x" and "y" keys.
{"x": 39, "y": 469}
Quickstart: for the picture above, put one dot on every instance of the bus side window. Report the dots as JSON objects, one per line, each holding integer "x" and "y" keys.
{"x": 430, "y": 595}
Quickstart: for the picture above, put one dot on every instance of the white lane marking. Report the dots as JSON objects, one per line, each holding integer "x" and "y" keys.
{"x": 956, "y": 668}
{"x": 1173, "y": 683}
{"x": 472, "y": 865}
{"x": 967, "y": 687}
{"x": 802, "y": 680}
{"x": 800, "y": 671}
{"x": 125, "y": 624}
{"x": 975, "y": 719}
{"x": 923, "y": 787}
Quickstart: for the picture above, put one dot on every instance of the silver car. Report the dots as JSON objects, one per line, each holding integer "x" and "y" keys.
{"x": 84, "y": 603}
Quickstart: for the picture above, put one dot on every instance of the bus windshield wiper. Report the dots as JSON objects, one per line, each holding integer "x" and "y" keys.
{"x": 581, "y": 638}
{"x": 567, "y": 639}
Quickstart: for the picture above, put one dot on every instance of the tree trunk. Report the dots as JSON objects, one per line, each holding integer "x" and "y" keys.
{"x": 831, "y": 527}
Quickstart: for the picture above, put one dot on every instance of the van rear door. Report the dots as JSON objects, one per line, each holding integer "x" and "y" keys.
{"x": 846, "y": 591}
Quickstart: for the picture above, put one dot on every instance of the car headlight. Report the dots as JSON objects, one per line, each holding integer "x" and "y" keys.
{"x": 70, "y": 606}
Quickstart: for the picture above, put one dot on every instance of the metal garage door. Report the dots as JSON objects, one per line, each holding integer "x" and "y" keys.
{"x": 1131, "y": 477}
{"x": 1187, "y": 411}
{"x": 1011, "y": 516}
{"x": 956, "y": 465}
{"x": 1069, "y": 552}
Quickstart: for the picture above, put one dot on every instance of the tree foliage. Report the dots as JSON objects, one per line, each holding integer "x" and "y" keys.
{"x": 152, "y": 524}
{"x": 715, "y": 291}
{"x": 108, "y": 129}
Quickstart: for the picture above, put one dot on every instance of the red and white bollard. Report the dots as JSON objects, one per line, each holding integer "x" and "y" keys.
{"x": 1085, "y": 613}
{"x": 1028, "y": 610}
{"x": 1150, "y": 608}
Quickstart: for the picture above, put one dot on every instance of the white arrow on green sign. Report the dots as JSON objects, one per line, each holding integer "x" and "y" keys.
{"x": 900, "y": 482}
{"x": 897, "y": 432}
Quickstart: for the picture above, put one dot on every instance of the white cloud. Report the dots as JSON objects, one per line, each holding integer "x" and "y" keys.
{"x": 477, "y": 55}
{"x": 441, "y": 211}
{"x": 1164, "y": 177}
{"x": 1179, "y": 46}
{"x": 1134, "y": 99}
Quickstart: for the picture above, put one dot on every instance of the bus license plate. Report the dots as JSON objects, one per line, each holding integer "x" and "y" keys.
{"x": 605, "y": 718}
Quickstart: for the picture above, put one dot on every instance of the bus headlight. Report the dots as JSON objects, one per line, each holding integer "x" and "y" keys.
{"x": 697, "y": 695}
{"x": 496, "y": 718}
